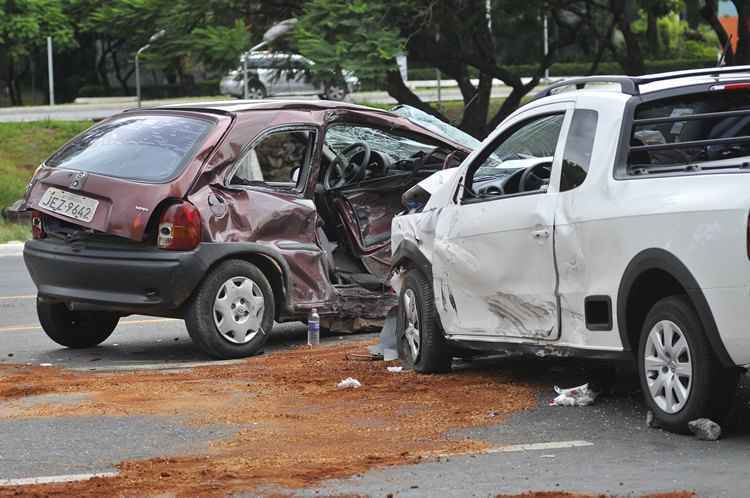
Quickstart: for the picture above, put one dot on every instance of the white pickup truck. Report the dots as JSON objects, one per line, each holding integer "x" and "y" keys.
{"x": 607, "y": 218}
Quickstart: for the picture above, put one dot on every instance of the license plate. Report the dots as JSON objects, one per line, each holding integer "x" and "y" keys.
{"x": 67, "y": 204}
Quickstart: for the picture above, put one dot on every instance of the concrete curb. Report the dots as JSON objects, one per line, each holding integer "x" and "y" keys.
{"x": 14, "y": 248}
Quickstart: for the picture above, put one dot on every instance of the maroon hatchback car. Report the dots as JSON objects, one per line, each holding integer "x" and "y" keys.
{"x": 229, "y": 215}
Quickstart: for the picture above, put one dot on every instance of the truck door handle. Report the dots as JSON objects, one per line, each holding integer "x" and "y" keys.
{"x": 540, "y": 234}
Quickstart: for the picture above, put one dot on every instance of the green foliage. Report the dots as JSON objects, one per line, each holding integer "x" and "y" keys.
{"x": 23, "y": 146}
{"x": 219, "y": 46}
{"x": 678, "y": 40}
{"x": 356, "y": 38}
{"x": 14, "y": 231}
{"x": 26, "y": 24}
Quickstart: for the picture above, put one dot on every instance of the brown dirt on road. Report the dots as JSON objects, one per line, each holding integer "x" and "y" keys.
{"x": 297, "y": 429}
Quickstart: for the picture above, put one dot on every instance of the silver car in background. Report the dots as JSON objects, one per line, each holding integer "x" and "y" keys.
{"x": 275, "y": 74}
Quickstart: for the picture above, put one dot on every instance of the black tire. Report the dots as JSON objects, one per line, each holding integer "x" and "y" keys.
{"x": 255, "y": 91}
{"x": 336, "y": 92}
{"x": 199, "y": 316}
{"x": 433, "y": 354}
{"x": 75, "y": 329}
{"x": 712, "y": 387}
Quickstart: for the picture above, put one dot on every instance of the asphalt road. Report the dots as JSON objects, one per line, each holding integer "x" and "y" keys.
{"x": 604, "y": 448}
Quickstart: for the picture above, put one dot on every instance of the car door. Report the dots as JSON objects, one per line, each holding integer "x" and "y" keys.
{"x": 493, "y": 261}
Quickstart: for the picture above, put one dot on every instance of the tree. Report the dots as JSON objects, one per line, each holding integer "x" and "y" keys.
{"x": 710, "y": 13}
{"x": 458, "y": 37}
{"x": 24, "y": 28}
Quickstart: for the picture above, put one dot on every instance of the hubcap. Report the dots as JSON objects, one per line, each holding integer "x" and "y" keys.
{"x": 238, "y": 310}
{"x": 412, "y": 330}
{"x": 336, "y": 93}
{"x": 254, "y": 93}
{"x": 668, "y": 366}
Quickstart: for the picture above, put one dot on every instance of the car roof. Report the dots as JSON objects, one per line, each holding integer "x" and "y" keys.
{"x": 239, "y": 106}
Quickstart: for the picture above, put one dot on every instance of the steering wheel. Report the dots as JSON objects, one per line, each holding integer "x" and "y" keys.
{"x": 534, "y": 177}
{"x": 344, "y": 169}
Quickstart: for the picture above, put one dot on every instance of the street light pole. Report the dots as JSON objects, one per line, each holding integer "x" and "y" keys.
{"x": 546, "y": 47}
{"x": 151, "y": 40}
{"x": 138, "y": 72}
{"x": 50, "y": 72}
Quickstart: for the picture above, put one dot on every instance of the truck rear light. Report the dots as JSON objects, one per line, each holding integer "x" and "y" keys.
{"x": 731, "y": 86}
{"x": 179, "y": 228}
{"x": 37, "y": 225}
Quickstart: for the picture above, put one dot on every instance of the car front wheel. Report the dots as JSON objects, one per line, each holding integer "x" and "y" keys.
{"x": 421, "y": 343}
{"x": 231, "y": 313}
{"x": 75, "y": 329}
{"x": 680, "y": 376}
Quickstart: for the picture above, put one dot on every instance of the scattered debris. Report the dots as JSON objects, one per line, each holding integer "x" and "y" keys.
{"x": 492, "y": 414}
{"x": 705, "y": 429}
{"x": 395, "y": 369}
{"x": 45, "y": 364}
{"x": 349, "y": 383}
{"x": 650, "y": 421}
{"x": 574, "y": 396}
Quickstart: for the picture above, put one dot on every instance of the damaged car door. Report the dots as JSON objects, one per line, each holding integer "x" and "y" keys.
{"x": 494, "y": 267}
{"x": 380, "y": 165}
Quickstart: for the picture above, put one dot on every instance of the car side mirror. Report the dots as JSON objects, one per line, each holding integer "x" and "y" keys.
{"x": 294, "y": 174}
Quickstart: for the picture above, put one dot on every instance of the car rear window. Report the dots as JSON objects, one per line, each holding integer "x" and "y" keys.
{"x": 691, "y": 132}
{"x": 143, "y": 148}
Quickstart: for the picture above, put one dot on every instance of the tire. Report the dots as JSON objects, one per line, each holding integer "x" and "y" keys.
{"x": 336, "y": 91}
{"x": 231, "y": 314}
{"x": 255, "y": 91}
{"x": 709, "y": 389}
{"x": 429, "y": 353}
{"x": 75, "y": 329}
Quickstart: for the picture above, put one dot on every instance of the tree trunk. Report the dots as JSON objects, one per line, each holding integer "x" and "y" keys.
{"x": 743, "y": 32}
{"x": 397, "y": 89}
{"x": 14, "y": 91}
{"x": 709, "y": 12}
{"x": 652, "y": 34}
{"x": 118, "y": 74}
{"x": 476, "y": 108}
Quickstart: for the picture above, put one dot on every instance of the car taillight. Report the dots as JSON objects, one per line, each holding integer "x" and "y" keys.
{"x": 179, "y": 228}
{"x": 37, "y": 225}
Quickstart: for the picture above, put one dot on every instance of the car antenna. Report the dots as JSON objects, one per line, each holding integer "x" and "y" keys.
{"x": 725, "y": 51}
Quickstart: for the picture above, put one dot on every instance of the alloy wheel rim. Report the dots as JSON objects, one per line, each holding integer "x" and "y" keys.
{"x": 254, "y": 93}
{"x": 238, "y": 310}
{"x": 412, "y": 330}
{"x": 668, "y": 365}
{"x": 336, "y": 93}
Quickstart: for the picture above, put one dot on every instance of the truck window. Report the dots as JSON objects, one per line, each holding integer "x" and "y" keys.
{"x": 578, "y": 148}
{"x": 517, "y": 162}
{"x": 691, "y": 132}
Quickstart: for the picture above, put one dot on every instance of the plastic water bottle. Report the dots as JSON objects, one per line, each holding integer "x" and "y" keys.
{"x": 313, "y": 328}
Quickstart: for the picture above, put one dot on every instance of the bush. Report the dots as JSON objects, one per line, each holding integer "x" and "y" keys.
{"x": 199, "y": 89}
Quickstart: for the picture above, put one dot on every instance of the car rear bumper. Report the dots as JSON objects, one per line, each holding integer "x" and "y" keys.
{"x": 117, "y": 278}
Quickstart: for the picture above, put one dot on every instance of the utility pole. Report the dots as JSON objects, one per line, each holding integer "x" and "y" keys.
{"x": 50, "y": 72}
{"x": 546, "y": 46}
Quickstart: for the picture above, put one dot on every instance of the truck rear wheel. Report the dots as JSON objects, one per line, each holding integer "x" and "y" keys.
{"x": 75, "y": 329}
{"x": 680, "y": 376}
{"x": 231, "y": 313}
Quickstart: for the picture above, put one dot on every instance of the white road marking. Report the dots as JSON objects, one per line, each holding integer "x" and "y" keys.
{"x": 21, "y": 328}
{"x": 54, "y": 479}
{"x": 554, "y": 445}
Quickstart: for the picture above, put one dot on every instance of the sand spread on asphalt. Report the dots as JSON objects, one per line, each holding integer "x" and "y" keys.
{"x": 296, "y": 428}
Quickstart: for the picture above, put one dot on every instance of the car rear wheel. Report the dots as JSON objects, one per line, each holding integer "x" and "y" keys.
{"x": 75, "y": 329}
{"x": 231, "y": 313}
{"x": 421, "y": 343}
{"x": 255, "y": 91}
{"x": 335, "y": 91}
{"x": 680, "y": 376}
